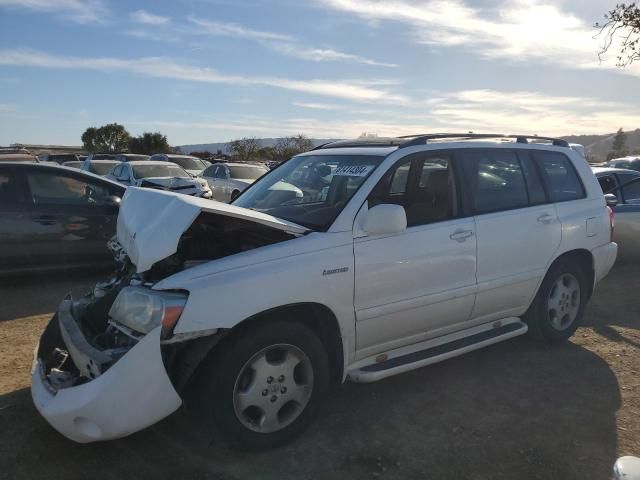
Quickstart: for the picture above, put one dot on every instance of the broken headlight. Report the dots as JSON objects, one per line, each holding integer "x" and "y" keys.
{"x": 142, "y": 309}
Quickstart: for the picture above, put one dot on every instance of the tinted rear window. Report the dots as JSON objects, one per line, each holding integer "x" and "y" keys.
{"x": 559, "y": 176}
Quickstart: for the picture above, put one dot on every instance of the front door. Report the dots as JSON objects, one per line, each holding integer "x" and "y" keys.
{"x": 419, "y": 283}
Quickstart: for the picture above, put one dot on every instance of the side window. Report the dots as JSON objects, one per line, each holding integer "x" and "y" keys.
{"x": 221, "y": 172}
{"x": 9, "y": 188}
{"x": 125, "y": 173}
{"x": 495, "y": 179}
{"x": 559, "y": 176}
{"x": 51, "y": 189}
{"x": 117, "y": 171}
{"x": 607, "y": 183}
{"x": 392, "y": 188}
{"x": 537, "y": 195}
{"x": 431, "y": 198}
{"x": 631, "y": 191}
{"x": 208, "y": 172}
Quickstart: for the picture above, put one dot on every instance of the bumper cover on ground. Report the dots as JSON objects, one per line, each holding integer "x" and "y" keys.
{"x": 131, "y": 395}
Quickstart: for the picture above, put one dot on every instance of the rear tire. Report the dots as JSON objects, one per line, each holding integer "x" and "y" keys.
{"x": 558, "y": 308}
{"x": 264, "y": 386}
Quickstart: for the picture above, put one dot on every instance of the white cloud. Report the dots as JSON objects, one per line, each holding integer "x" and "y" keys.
{"x": 146, "y": 18}
{"x": 281, "y": 43}
{"x": 80, "y": 11}
{"x": 317, "y": 106}
{"x": 235, "y": 30}
{"x": 167, "y": 68}
{"x": 323, "y": 54}
{"x": 518, "y": 30}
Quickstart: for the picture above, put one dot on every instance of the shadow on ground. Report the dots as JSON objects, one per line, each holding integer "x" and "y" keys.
{"x": 40, "y": 293}
{"x": 512, "y": 411}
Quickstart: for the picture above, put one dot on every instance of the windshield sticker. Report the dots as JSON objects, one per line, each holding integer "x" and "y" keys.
{"x": 352, "y": 170}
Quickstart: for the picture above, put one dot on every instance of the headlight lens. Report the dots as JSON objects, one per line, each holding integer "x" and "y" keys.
{"x": 142, "y": 309}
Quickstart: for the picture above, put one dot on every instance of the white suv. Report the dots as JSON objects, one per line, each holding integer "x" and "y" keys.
{"x": 400, "y": 253}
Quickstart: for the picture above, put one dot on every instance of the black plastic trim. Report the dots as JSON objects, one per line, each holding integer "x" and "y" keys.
{"x": 442, "y": 349}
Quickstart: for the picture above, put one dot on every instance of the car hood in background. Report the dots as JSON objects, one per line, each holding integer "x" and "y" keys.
{"x": 151, "y": 222}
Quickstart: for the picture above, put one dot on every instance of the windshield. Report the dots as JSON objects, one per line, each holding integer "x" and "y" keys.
{"x": 190, "y": 163}
{"x": 248, "y": 172}
{"x": 310, "y": 190}
{"x": 101, "y": 168}
{"x": 145, "y": 171}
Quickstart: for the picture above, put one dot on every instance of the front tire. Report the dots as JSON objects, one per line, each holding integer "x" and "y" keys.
{"x": 265, "y": 385}
{"x": 559, "y": 305}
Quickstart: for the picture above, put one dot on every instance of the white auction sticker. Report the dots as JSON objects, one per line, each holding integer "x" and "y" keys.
{"x": 352, "y": 171}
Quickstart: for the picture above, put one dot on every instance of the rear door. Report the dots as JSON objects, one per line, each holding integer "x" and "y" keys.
{"x": 627, "y": 217}
{"x": 419, "y": 283}
{"x": 518, "y": 229}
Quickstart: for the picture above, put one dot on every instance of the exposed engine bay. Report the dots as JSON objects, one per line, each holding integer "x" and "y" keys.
{"x": 84, "y": 340}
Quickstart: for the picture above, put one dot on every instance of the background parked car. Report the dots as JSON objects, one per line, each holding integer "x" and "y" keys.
{"x": 99, "y": 167}
{"x": 625, "y": 185}
{"x": 55, "y": 217}
{"x": 631, "y": 163}
{"x": 228, "y": 180}
{"x": 18, "y": 157}
{"x": 59, "y": 158}
{"x": 130, "y": 157}
{"x": 160, "y": 175}
{"x": 73, "y": 164}
{"x": 193, "y": 165}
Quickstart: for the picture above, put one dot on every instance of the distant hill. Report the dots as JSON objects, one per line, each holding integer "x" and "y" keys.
{"x": 597, "y": 146}
{"x": 224, "y": 146}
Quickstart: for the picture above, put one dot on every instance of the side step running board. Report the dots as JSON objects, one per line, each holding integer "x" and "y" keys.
{"x": 435, "y": 350}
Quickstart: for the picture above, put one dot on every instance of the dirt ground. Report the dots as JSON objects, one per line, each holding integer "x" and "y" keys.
{"x": 512, "y": 411}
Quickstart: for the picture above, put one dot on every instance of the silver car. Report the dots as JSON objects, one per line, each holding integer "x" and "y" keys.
{"x": 228, "y": 180}
{"x": 159, "y": 175}
{"x": 625, "y": 185}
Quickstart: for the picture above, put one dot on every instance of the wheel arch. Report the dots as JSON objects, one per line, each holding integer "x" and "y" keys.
{"x": 582, "y": 257}
{"x": 183, "y": 364}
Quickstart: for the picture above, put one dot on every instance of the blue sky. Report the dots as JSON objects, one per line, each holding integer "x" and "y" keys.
{"x": 213, "y": 70}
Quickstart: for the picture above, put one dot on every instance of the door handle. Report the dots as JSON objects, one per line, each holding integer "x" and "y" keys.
{"x": 545, "y": 218}
{"x": 461, "y": 235}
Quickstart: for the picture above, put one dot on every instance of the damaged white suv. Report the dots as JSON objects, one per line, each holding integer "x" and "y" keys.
{"x": 398, "y": 254}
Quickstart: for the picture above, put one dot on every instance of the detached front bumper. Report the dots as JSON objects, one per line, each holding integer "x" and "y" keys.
{"x": 134, "y": 393}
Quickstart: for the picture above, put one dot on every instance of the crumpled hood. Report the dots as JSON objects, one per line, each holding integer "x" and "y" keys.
{"x": 151, "y": 222}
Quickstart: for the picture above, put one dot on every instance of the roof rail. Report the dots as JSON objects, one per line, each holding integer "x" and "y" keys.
{"x": 421, "y": 139}
{"x": 413, "y": 140}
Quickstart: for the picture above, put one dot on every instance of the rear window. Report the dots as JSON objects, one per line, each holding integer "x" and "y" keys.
{"x": 101, "y": 168}
{"x": 559, "y": 176}
{"x": 146, "y": 171}
{"x": 248, "y": 172}
{"x": 189, "y": 163}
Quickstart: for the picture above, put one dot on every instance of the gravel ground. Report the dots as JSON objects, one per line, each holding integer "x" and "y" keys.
{"x": 511, "y": 411}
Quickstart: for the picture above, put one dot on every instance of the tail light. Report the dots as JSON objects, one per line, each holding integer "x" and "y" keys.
{"x": 612, "y": 223}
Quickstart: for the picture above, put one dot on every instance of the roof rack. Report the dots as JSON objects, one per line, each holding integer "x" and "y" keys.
{"x": 421, "y": 139}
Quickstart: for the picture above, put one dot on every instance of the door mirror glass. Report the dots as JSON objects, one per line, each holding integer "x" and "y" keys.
{"x": 385, "y": 218}
{"x": 611, "y": 199}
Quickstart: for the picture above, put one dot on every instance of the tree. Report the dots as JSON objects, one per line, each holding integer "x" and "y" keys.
{"x": 149, "y": 143}
{"x": 112, "y": 138}
{"x": 287, "y": 147}
{"x": 618, "y": 149}
{"x": 244, "y": 149}
{"x": 621, "y": 30}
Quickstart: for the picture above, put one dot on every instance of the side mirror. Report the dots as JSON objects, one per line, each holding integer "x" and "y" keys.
{"x": 611, "y": 199}
{"x": 385, "y": 218}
